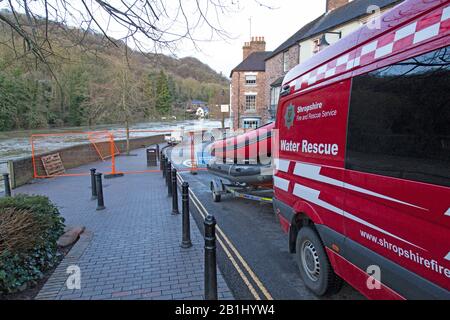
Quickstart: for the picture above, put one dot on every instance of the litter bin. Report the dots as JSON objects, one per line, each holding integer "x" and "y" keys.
{"x": 152, "y": 156}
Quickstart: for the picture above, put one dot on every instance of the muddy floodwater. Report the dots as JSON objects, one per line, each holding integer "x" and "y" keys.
{"x": 16, "y": 144}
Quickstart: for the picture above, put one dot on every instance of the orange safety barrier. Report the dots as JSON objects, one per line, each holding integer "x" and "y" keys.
{"x": 81, "y": 148}
{"x": 96, "y": 138}
{"x": 73, "y": 149}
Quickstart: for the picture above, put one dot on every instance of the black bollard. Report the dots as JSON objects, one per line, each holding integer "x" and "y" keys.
{"x": 99, "y": 185}
{"x": 7, "y": 185}
{"x": 186, "y": 240}
{"x": 93, "y": 185}
{"x": 168, "y": 169}
{"x": 174, "y": 192}
{"x": 163, "y": 162}
{"x": 210, "y": 258}
{"x": 169, "y": 178}
{"x": 157, "y": 152}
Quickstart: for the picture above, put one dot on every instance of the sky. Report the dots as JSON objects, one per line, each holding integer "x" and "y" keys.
{"x": 276, "y": 25}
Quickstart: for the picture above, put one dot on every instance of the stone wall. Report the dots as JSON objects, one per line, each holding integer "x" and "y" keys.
{"x": 22, "y": 171}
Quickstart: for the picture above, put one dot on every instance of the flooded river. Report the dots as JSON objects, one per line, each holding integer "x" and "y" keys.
{"x": 16, "y": 144}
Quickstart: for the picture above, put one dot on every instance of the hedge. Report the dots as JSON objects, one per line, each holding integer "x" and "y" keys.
{"x": 29, "y": 229}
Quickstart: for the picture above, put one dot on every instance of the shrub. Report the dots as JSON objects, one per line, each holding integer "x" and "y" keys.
{"x": 29, "y": 229}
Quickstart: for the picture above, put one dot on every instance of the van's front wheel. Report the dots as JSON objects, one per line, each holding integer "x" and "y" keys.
{"x": 315, "y": 269}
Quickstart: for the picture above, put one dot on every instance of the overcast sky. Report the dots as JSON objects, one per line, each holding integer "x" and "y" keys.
{"x": 275, "y": 25}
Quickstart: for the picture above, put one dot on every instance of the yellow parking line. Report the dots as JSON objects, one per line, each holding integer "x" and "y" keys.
{"x": 233, "y": 261}
{"x": 235, "y": 251}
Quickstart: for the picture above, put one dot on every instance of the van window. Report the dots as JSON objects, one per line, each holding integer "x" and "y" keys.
{"x": 399, "y": 120}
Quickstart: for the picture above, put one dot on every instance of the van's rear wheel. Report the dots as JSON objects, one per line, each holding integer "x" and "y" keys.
{"x": 315, "y": 269}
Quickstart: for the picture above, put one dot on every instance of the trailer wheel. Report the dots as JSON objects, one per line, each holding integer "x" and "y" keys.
{"x": 315, "y": 268}
{"x": 216, "y": 197}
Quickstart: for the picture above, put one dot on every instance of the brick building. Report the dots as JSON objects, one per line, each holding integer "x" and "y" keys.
{"x": 340, "y": 18}
{"x": 248, "y": 98}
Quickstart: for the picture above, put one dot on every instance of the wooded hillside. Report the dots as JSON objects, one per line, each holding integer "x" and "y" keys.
{"x": 95, "y": 82}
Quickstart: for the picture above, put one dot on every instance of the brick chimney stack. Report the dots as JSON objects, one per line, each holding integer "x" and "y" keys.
{"x": 334, "y": 4}
{"x": 256, "y": 44}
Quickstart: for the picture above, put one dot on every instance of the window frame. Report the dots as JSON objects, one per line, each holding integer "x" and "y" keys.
{"x": 251, "y": 107}
{"x": 250, "y": 84}
{"x": 286, "y": 61}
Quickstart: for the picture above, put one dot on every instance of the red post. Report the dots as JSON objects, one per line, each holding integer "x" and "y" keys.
{"x": 193, "y": 162}
{"x": 113, "y": 173}
{"x": 113, "y": 157}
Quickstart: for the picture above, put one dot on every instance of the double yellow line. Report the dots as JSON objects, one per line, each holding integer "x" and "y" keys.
{"x": 231, "y": 252}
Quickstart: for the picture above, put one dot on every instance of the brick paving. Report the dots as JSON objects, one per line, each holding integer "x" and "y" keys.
{"x": 130, "y": 250}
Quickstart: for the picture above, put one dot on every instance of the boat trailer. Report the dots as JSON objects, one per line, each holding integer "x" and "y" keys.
{"x": 220, "y": 187}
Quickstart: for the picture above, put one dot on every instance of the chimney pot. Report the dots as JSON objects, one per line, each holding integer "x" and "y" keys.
{"x": 257, "y": 44}
{"x": 334, "y": 4}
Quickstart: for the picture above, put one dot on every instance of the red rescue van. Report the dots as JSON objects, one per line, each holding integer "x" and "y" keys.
{"x": 362, "y": 179}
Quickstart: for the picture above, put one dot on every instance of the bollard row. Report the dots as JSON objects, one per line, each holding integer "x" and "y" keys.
{"x": 210, "y": 258}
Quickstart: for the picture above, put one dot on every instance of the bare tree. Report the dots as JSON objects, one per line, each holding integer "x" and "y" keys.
{"x": 147, "y": 25}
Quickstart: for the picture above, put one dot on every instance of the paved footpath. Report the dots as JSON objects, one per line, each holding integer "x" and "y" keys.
{"x": 130, "y": 250}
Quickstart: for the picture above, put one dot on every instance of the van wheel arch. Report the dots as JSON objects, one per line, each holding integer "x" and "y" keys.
{"x": 305, "y": 215}
{"x": 299, "y": 221}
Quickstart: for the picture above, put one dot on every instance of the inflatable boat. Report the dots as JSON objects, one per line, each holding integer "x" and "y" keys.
{"x": 245, "y": 158}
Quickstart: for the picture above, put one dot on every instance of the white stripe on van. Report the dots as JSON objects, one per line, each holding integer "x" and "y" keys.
{"x": 447, "y": 257}
{"x": 447, "y": 213}
{"x": 282, "y": 165}
{"x": 281, "y": 183}
{"x": 405, "y": 31}
{"x": 427, "y": 33}
{"x": 312, "y": 195}
{"x": 312, "y": 172}
{"x": 445, "y": 14}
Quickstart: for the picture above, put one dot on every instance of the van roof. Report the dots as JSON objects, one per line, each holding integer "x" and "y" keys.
{"x": 393, "y": 18}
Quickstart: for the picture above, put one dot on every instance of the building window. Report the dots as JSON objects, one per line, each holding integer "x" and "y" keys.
{"x": 250, "y": 102}
{"x": 316, "y": 46}
{"x": 250, "y": 80}
{"x": 250, "y": 123}
{"x": 403, "y": 131}
{"x": 285, "y": 61}
{"x": 274, "y": 96}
